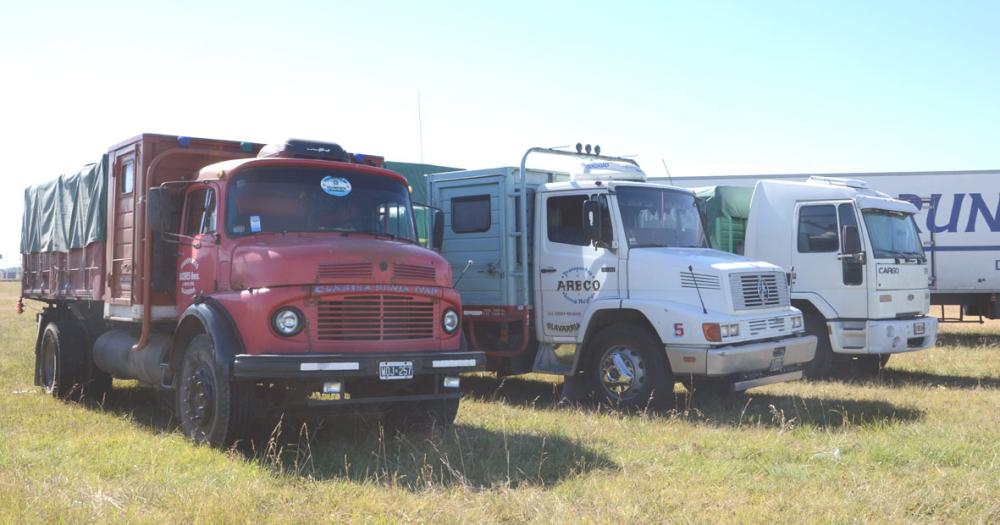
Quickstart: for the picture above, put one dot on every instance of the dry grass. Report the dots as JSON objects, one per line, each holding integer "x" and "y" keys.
{"x": 921, "y": 443}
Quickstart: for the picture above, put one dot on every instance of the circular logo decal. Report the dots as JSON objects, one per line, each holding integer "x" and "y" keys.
{"x": 336, "y": 186}
{"x": 578, "y": 285}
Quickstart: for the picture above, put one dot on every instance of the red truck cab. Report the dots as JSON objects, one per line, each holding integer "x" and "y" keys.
{"x": 292, "y": 279}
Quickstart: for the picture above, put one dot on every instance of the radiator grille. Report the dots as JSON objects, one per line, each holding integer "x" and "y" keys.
{"x": 412, "y": 271}
{"x": 703, "y": 281}
{"x": 759, "y": 290}
{"x": 375, "y": 318}
{"x": 345, "y": 271}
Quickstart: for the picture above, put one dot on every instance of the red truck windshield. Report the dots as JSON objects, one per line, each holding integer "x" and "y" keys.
{"x": 300, "y": 199}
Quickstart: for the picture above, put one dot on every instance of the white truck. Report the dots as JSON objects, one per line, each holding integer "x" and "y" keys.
{"x": 607, "y": 279}
{"x": 958, "y": 220}
{"x": 858, "y": 270}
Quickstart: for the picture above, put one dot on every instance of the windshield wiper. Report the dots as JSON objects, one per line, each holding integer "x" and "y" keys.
{"x": 387, "y": 235}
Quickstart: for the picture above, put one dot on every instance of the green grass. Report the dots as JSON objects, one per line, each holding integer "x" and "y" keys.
{"x": 919, "y": 444}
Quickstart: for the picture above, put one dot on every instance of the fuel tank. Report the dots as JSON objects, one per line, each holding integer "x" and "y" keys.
{"x": 113, "y": 354}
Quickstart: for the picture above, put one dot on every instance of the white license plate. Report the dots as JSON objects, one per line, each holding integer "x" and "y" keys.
{"x": 388, "y": 370}
{"x": 919, "y": 329}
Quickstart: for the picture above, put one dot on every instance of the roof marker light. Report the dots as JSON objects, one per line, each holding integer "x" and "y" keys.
{"x": 246, "y": 146}
{"x": 183, "y": 141}
{"x": 359, "y": 158}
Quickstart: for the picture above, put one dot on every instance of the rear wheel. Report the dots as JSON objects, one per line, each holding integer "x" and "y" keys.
{"x": 628, "y": 369}
{"x": 211, "y": 409}
{"x": 61, "y": 353}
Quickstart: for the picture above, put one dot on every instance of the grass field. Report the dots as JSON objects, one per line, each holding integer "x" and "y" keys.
{"x": 921, "y": 443}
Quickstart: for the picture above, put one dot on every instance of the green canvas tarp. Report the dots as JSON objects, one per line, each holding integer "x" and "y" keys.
{"x": 67, "y": 213}
{"x": 416, "y": 174}
{"x": 726, "y": 209}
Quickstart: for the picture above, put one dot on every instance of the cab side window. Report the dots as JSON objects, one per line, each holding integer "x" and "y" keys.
{"x": 199, "y": 212}
{"x": 564, "y": 217}
{"x": 818, "y": 229}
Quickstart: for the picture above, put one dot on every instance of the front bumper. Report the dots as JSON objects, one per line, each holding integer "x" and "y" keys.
{"x": 325, "y": 367}
{"x": 889, "y": 336}
{"x": 754, "y": 364}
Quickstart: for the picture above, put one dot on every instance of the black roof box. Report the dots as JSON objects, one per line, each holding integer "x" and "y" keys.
{"x": 305, "y": 149}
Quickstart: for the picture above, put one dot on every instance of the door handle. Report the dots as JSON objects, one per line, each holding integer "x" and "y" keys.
{"x": 608, "y": 269}
{"x": 548, "y": 269}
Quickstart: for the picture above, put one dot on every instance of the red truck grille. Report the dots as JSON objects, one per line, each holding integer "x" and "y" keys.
{"x": 412, "y": 271}
{"x": 375, "y": 318}
{"x": 345, "y": 271}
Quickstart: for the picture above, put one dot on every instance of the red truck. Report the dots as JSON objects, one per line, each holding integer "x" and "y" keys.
{"x": 247, "y": 280}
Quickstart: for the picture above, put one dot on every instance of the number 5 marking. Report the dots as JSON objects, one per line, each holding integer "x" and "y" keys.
{"x": 678, "y": 329}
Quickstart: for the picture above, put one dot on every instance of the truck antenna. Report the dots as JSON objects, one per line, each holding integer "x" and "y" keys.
{"x": 665, "y": 168}
{"x": 694, "y": 279}
{"x": 420, "y": 128}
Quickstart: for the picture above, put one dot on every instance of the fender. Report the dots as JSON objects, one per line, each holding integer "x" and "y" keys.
{"x": 817, "y": 301}
{"x": 219, "y": 325}
{"x": 588, "y": 315}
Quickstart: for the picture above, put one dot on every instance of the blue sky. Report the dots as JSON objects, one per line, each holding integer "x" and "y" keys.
{"x": 712, "y": 87}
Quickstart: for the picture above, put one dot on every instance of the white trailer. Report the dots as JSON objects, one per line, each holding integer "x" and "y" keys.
{"x": 858, "y": 271}
{"x": 959, "y": 223}
{"x": 606, "y": 279}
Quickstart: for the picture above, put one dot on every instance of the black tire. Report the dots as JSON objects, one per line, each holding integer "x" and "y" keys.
{"x": 822, "y": 366}
{"x": 421, "y": 416}
{"x": 651, "y": 383}
{"x": 61, "y": 359}
{"x": 211, "y": 409}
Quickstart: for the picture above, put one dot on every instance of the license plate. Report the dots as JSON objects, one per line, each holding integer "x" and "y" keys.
{"x": 777, "y": 364}
{"x": 919, "y": 329}
{"x": 388, "y": 370}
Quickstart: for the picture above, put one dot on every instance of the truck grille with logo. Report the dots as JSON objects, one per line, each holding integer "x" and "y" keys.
{"x": 758, "y": 290}
{"x": 375, "y": 318}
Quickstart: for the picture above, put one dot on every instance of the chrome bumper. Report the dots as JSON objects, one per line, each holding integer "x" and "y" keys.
{"x": 770, "y": 356}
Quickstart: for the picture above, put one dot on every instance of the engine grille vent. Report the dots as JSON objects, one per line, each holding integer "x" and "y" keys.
{"x": 704, "y": 281}
{"x": 375, "y": 318}
{"x": 345, "y": 271}
{"x": 412, "y": 271}
{"x": 759, "y": 290}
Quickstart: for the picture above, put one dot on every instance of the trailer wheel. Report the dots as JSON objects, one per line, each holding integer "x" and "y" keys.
{"x": 421, "y": 415}
{"x": 628, "y": 369}
{"x": 61, "y": 359}
{"x": 211, "y": 409}
{"x": 822, "y": 364}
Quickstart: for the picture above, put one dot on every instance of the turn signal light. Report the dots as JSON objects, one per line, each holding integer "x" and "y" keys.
{"x": 712, "y": 332}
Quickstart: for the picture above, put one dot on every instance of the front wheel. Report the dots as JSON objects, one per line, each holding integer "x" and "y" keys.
{"x": 628, "y": 369}
{"x": 822, "y": 365}
{"x": 211, "y": 409}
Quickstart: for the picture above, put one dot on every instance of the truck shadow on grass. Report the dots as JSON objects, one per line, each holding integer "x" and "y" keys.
{"x": 898, "y": 378}
{"x": 358, "y": 449}
{"x": 734, "y": 411}
{"x": 969, "y": 339}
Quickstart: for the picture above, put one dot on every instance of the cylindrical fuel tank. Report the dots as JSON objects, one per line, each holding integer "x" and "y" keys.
{"x": 113, "y": 354}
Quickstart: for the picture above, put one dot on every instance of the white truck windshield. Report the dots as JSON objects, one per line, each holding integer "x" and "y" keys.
{"x": 301, "y": 199}
{"x": 660, "y": 218}
{"x": 893, "y": 235}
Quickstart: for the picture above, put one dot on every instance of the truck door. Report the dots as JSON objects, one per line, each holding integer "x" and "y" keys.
{"x": 816, "y": 250}
{"x": 572, "y": 272}
{"x": 198, "y": 253}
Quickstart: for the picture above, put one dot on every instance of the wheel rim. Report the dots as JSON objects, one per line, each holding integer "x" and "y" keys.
{"x": 199, "y": 401}
{"x": 622, "y": 371}
{"x": 48, "y": 362}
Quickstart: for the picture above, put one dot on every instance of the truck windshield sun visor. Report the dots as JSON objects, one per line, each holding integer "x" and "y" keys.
{"x": 893, "y": 235}
{"x": 660, "y": 218}
{"x": 309, "y": 200}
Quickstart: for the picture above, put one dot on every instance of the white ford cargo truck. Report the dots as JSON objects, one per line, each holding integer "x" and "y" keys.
{"x": 607, "y": 279}
{"x": 858, "y": 270}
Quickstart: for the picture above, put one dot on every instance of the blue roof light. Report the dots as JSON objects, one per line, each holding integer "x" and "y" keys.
{"x": 184, "y": 141}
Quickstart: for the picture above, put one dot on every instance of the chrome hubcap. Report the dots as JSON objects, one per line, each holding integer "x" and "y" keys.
{"x": 622, "y": 371}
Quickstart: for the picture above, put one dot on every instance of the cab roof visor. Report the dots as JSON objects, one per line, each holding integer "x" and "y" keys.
{"x": 305, "y": 149}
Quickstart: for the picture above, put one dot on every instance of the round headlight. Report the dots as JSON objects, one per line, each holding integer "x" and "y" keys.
{"x": 450, "y": 321}
{"x": 287, "y": 322}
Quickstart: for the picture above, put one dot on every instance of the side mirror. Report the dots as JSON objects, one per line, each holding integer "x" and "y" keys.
{"x": 437, "y": 230}
{"x": 852, "y": 240}
{"x": 592, "y": 220}
{"x": 159, "y": 210}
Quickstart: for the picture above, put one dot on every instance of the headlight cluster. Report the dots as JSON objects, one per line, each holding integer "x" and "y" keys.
{"x": 730, "y": 330}
{"x": 797, "y": 322}
{"x": 714, "y": 332}
{"x": 287, "y": 322}
{"x": 450, "y": 321}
